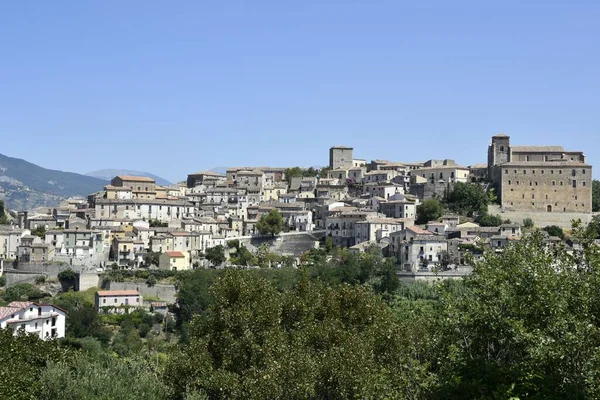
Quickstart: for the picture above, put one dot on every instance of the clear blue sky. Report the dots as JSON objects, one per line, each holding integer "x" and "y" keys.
{"x": 175, "y": 87}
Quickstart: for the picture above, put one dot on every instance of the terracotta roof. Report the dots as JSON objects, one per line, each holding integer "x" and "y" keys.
{"x": 176, "y": 254}
{"x": 135, "y": 178}
{"x": 20, "y": 304}
{"x": 419, "y": 231}
{"x": 117, "y": 293}
{"x": 7, "y": 311}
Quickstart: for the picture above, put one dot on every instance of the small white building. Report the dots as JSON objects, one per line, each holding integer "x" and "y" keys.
{"x": 118, "y": 300}
{"x": 43, "y": 320}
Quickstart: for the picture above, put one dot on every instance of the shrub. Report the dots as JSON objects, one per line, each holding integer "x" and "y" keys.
{"x": 528, "y": 223}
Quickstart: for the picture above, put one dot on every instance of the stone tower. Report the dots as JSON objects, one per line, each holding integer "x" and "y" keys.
{"x": 341, "y": 157}
{"x": 498, "y": 153}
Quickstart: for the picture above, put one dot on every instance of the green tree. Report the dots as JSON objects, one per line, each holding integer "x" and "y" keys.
{"x": 151, "y": 258}
{"x": 23, "y": 292}
{"x": 101, "y": 377}
{"x": 595, "y": 195}
{"x": 467, "y": 198}
{"x": 216, "y": 255}
{"x": 22, "y": 360}
{"x": 486, "y": 219}
{"x": 428, "y": 210}
{"x": 3, "y": 216}
{"x": 312, "y": 342}
{"x": 554, "y": 230}
{"x": 525, "y": 325}
{"x": 270, "y": 224}
{"x": 528, "y": 223}
{"x": 40, "y": 231}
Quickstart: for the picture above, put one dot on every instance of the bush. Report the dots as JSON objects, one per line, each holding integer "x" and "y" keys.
{"x": 40, "y": 280}
{"x": 554, "y": 230}
{"x": 429, "y": 210}
{"x": 67, "y": 275}
{"x": 528, "y": 223}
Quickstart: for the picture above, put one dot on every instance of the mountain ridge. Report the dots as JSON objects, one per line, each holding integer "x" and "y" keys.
{"x": 25, "y": 185}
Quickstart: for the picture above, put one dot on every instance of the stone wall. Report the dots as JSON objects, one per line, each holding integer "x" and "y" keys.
{"x": 165, "y": 292}
{"x": 540, "y": 219}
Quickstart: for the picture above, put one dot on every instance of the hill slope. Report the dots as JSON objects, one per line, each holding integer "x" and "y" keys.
{"x": 25, "y": 185}
{"x": 108, "y": 174}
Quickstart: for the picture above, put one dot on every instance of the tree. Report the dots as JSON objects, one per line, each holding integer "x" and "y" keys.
{"x": 429, "y": 210}
{"x": 595, "y": 195}
{"x": 468, "y": 198}
{"x": 446, "y": 259}
{"x": 554, "y": 230}
{"x": 154, "y": 223}
{"x": 40, "y": 231}
{"x": 270, "y": 224}
{"x": 22, "y": 292}
{"x": 151, "y": 258}
{"x": 523, "y": 325}
{"x": 313, "y": 342}
{"x": 216, "y": 255}
{"x": 486, "y": 219}
{"x": 22, "y": 360}
{"x": 3, "y": 216}
{"x": 528, "y": 223}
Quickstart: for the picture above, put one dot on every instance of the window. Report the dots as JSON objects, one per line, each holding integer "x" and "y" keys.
{"x": 510, "y": 182}
{"x": 561, "y": 183}
{"x": 583, "y": 171}
{"x": 574, "y": 183}
{"x": 115, "y": 301}
{"x": 103, "y": 301}
{"x": 524, "y": 172}
{"x": 501, "y": 148}
{"x": 505, "y": 172}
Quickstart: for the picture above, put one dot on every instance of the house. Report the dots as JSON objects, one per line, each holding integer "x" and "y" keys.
{"x": 10, "y": 239}
{"x": 32, "y": 250}
{"x": 174, "y": 261}
{"x": 118, "y": 301}
{"x": 43, "y": 320}
{"x": 375, "y": 229}
{"x": 416, "y": 248}
{"x": 141, "y": 187}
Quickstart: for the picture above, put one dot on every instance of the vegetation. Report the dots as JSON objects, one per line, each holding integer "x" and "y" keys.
{"x": 429, "y": 210}
{"x": 468, "y": 198}
{"x": 154, "y": 223}
{"x": 216, "y": 255}
{"x": 270, "y": 224}
{"x": 528, "y": 223}
{"x": 40, "y": 231}
{"x": 525, "y": 324}
{"x": 300, "y": 172}
{"x": 3, "y": 215}
{"x": 554, "y": 230}
{"x": 151, "y": 258}
{"x": 489, "y": 220}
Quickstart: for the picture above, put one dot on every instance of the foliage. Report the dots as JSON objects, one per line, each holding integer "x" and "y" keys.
{"x": 486, "y": 219}
{"x": 528, "y": 223}
{"x": 270, "y": 224}
{"x": 154, "y": 223}
{"x": 554, "y": 230}
{"x": 447, "y": 258}
{"x": 428, "y": 210}
{"x": 312, "y": 342}
{"x": 101, "y": 377}
{"x": 151, "y": 258}
{"x": 21, "y": 292}
{"x": 40, "y": 231}
{"x": 216, "y": 255}
{"x": 22, "y": 359}
{"x": 468, "y": 198}
{"x": 40, "y": 280}
{"x": 2, "y": 281}
{"x": 595, "y": 195}
{"x": 3, "y": 216}
{"x": 525, "y": 325}
{"x": 68, "y": 275}
{"x": 83, "y": 320}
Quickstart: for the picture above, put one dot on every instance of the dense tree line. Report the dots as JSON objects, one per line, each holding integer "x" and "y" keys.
{"x": 525, "y": 324}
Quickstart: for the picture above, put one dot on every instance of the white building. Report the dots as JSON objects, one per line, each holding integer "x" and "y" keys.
{"x": 10, "y": 240}
{"x": 376, "y": 229}
{"x": 415, "y": 247}
{"x": 43, "y": 320}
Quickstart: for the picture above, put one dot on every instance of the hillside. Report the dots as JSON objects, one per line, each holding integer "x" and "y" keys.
{"x": 24, "y": 185}
{"x": 108, "y": 174}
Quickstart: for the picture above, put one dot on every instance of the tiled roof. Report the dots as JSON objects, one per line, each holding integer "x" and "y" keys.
{"x": 103, "y": 293}
{"x": 7, "y": 311}
{"x": 419, "y": 231}
{"x": 176, "y": 254}
{"x": 135, "y": 178}
{"x": 20, "y": 304}
{"x": 537, "y": 149}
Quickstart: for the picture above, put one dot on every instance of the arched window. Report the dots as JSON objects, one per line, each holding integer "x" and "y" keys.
{"x": 501, "y": 148}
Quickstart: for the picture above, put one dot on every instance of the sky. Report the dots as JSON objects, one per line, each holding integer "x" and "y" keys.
{"x": 173, "y": 88}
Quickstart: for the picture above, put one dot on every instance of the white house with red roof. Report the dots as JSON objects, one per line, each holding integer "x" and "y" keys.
{"x": 118, "y": 300}
{"x": 43, "y": 320}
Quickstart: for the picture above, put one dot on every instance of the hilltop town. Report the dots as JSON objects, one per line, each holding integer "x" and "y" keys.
{"x": 353, "y": 203}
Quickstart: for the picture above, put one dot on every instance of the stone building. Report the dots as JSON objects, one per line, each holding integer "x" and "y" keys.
{"x": 341, "y": 157}
{"x": 540, "y": 178}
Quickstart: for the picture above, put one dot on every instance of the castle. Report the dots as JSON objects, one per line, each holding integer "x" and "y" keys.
{"x": 540, "y": 178}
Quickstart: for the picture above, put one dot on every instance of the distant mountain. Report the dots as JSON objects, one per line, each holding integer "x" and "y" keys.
{"x": 219, "y": 170}
{"x": 108, "y": 174}
{"x": 24, "y": 185}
